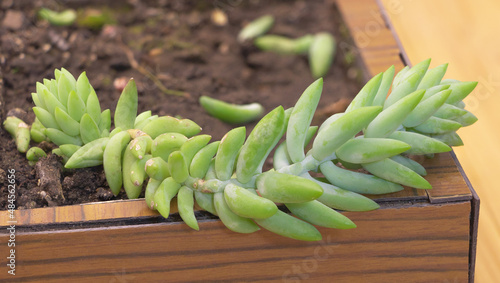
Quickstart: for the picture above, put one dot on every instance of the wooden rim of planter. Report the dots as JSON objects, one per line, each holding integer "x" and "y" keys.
{"x": 377, "y": 47}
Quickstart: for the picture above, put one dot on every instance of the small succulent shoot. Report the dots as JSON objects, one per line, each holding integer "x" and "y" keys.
{"x": 321, "y": 54}
{"x": 64, "y": 18}
{"x": 284, "y": 45}
{"x": 34, "y": 154}
{"x": 232, "y": 113}
{"x": 320, "y": 47}
{"x": 69, "y": 110}
{"x": 20, "y": 131}
{"x": 226, "y": 179}
{"x": 37, "y": 132}
{"x": 93, "y": 18}
{"x": 256, "y": 28}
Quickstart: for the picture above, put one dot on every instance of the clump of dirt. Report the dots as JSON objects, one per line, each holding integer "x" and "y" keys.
{"x": 161, "y": 44}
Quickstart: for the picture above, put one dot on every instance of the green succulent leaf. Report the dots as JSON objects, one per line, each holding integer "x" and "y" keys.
{"x": 126, "y": 109}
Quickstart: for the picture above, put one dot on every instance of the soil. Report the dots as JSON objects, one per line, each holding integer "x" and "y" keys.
{"x": 179, "y": 45}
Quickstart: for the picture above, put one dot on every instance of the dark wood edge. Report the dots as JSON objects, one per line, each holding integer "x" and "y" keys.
{"x": 474, "y": 223}
{"x": 474, "y": 220}
{"x": 475, "y": 202}
{"x": 447, "y": 199}
{"x": 380, "y": 199}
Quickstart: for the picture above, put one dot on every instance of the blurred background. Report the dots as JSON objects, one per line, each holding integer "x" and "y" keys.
{"x": 465, "y": 34}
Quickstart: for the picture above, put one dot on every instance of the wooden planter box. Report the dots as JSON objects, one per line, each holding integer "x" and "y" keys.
{"x": 416, "y": 235}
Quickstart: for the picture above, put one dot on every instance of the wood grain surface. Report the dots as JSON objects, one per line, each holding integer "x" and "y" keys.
{"x": 399, "y": 244}
{"x": 465, "y": 34}
{"x": 447, "y": 184}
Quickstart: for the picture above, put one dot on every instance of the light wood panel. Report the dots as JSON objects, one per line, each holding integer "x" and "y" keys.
{"x": 465, "y": 34}
{"x": 401, "y": 244}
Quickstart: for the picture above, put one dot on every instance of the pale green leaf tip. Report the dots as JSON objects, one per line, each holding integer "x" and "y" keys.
{"x": 129, "y": 86}
{"x": 318, "y": 82}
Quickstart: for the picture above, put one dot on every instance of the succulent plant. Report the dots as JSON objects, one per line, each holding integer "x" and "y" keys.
{"x": 419, "y": 116}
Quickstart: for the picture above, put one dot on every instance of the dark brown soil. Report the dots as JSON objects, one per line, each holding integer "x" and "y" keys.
{"x": 175, "y": 41}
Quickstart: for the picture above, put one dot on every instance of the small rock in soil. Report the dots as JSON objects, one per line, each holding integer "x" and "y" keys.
{"x": 104, "y": 194}
{"x": 58, "y": 40}
{"x": 13, "y": 20}
{"x": 120, "y": 83}
{"x": 44, "y": 196}
{"x": 218, "y": 17}
{"x": 109, "y": 31}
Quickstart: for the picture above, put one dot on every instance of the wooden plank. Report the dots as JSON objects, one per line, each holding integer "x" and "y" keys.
{"x": 448, "y": 183}
{"x": 402, "y": 244}
{"x": 408, "y": 194}
{"x": 373, "y": 39}
{"x": 97, "y": 211}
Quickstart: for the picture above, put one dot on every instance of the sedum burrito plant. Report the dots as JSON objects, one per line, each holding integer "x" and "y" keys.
{"x": 377, "y": 132}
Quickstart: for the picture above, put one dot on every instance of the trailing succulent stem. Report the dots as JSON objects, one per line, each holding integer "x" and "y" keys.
{"x": 420, "y": 116}
{"x": 320, "y": 47}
